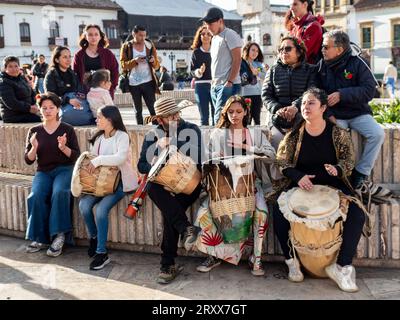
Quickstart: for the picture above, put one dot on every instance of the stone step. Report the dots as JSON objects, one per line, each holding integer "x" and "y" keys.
{"x": 145, "y": 232}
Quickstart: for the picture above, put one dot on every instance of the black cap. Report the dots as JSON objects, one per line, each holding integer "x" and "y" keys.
{"x": 213, "y": 14}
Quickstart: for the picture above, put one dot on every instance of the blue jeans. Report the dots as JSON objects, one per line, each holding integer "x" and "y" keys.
{"x": 39, "y": 86}
{"x": 390, "y": 82}
{"x": 99, "y": 228}
{"x": 203, "y": 100}
{"x": 219, "y": 95}
{"x": 374, "y": 135}
{"x": 75, "y": 117}
{"x": 49, "y": 204}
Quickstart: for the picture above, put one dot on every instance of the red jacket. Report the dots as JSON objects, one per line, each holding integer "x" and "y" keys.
{"x": 309, "y": 29}
{"x": 108, "y": 61}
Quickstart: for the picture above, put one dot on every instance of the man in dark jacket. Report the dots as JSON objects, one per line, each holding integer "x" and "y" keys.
{"x": 17, "y": 99}
{"x": 350, "y": 85}
{"x": 186, "y": 137}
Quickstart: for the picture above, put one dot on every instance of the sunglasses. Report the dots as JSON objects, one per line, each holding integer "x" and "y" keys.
{"x": 286, "y": 49}
{"x": 326, "y": 47}
{"x": 205, "y": 34}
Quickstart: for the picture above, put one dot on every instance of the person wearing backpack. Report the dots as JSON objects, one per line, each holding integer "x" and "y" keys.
{"x": 301, "y": 23}
{"x": 139, "y": 59}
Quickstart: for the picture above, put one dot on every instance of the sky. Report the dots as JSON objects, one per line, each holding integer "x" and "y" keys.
{"x": 231, "y": 4}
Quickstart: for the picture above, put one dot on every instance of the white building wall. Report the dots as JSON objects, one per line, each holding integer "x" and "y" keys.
{"x": 68, "y": 19}
{"x": 382, "y": 33}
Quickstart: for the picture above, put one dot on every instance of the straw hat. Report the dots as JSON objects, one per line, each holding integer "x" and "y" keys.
{"x": 166, "y": 106}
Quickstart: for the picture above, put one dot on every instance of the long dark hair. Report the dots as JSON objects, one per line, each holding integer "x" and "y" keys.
{"x": 223, "y": 121}
{"x": 83, "y": 43}
{"x": 246, "y": 51}
{"x": 289, "y": 16}
{"x": 56, "y": 55}
{"x": 111, "y": 113}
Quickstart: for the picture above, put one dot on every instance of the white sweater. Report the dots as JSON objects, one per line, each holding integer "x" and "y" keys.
{"x": 116, "y": 151}
{"x": 97, "y": 98}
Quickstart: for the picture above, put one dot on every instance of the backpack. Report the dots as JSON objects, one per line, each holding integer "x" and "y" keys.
{"x": 246, "y": 75}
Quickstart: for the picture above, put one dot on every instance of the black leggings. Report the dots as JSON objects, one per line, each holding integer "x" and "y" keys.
{"x": 255, "y": 109}
{"x": 147, "y": 91}
{"x": 352, "y": 230}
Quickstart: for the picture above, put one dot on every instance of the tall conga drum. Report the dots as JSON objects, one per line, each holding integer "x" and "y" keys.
{"x": 232, "y": 198}
{"x": 316, "y": 225}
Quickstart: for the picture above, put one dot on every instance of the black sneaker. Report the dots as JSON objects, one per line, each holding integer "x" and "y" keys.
{"x": 169, "y": 273}
{"x": 100, "y": 261}
{"x": 92, "y": 247}
{"x": 208, "y": 264}
{"x": 357, "y": 179}
{"x": 190, "y": 237}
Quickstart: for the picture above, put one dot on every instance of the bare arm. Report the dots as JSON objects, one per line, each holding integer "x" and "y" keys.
{"x": 236, "y": 60}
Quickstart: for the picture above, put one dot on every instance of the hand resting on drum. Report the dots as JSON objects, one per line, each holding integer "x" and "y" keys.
{"x": 305, "y": 182}
{"x": 90, "y": 168}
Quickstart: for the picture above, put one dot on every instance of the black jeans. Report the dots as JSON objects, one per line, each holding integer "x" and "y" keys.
{"x": 352, "y": 230}
{"x": 148, "y": 92}
{"x": 173, "y": 209}
{"x": 255, "y": 109}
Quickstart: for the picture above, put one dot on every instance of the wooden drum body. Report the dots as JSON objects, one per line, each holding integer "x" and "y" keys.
{"x": 316, "y": 225}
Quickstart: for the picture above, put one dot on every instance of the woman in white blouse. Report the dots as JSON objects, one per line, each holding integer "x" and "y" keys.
{"x": 112, "y": 146}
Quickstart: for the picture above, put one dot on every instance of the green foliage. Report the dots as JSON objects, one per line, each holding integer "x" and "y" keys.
{"x": 386, "y": 113}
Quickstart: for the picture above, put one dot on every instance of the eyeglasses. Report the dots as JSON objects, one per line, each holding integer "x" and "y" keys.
{"x": 326, "y": 47}
{"x": 286, "y": 49}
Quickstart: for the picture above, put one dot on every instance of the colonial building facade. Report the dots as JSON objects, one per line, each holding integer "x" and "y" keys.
{"x": 29, "y": 28}
{"x": 263, "y": 23}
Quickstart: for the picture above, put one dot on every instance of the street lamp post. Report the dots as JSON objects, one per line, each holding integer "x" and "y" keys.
{"x": 171, "y": 56}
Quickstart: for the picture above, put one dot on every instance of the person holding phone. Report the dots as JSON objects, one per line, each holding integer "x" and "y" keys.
{"x": 139, "y": 59}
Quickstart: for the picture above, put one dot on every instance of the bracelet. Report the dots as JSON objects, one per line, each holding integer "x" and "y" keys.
{"x": 62, "y": 150}
{"x": 230, "y": 81}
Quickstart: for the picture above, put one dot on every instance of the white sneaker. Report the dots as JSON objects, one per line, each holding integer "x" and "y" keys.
{"x": 295, "y": 274}
{"x": 56, "y": 247}
{"x": 345, "y": 277}
{"x": 35, "y": 247}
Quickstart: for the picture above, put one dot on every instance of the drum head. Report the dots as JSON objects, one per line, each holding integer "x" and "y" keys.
{"x": 318, "y": 202}
{"x": 155, "y": 169}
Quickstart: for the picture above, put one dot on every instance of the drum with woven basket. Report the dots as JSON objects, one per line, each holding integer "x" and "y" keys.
{"x": 232, "y": 198}
{"x": 177, "y": 172}
{"x": 103, "y": 181}
{"x": 316, "y": 224}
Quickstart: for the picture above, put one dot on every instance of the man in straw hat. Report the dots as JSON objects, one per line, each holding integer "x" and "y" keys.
{"x": 186, "y": 136}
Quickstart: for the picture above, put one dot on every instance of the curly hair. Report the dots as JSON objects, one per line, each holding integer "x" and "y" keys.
{"x": 83, "y": 43}
{"x": 299, "y": 45}
{"x": 246, "y": 51}
{"x": 197, "y": 38}
{"x": 223, "y": 121}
